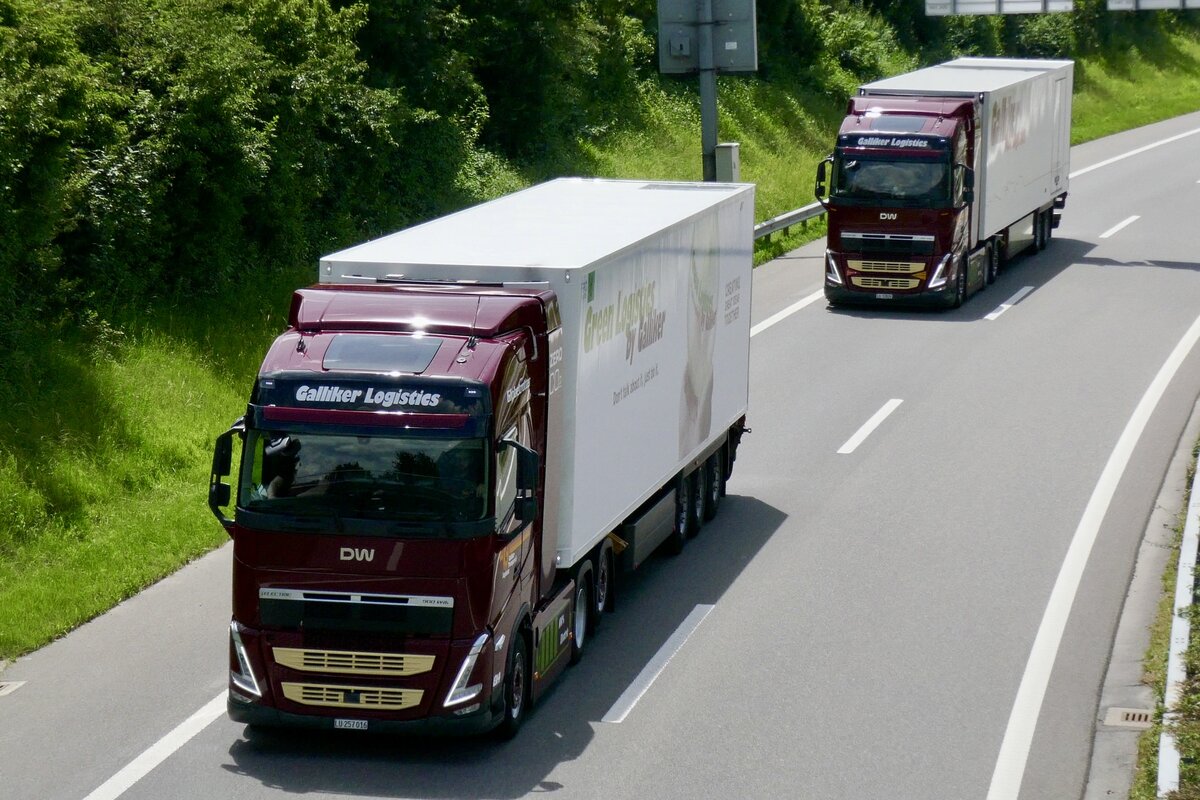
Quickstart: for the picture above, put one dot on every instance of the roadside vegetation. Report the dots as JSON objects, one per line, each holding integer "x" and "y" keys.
{"x": 171, "y": 170}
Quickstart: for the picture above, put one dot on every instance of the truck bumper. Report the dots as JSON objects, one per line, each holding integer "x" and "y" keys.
{"x": 839, "y": 295}
{"x": 252, "y": 713}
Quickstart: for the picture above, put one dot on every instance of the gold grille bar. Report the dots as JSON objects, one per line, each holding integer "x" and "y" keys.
{"x": 884, "y": 283}
{"x": 371, "y": 698}
{"x": 899, "y": 267}
{"x": 347, "y": 662}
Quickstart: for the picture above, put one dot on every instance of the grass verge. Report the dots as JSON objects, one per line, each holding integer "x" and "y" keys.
{"x": 1154, "y": 670}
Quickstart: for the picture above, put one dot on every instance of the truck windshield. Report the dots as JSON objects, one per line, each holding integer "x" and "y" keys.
{"x": 406, "y": 479}
{"x": 892, "y": 181}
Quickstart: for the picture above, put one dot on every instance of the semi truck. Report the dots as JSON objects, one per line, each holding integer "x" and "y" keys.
{"x": 467, "y": 431}
{"x": 941, "y": 175}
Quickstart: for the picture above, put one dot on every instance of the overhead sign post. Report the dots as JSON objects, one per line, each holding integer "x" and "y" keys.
{"x": 707, "y": 37}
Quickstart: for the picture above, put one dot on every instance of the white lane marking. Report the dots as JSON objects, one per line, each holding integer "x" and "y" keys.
{"x": 869, "y": 426}
{"x": 1018, "y": 735}
{"x": 1150, "y": 146}
{"x": 1119, "y": 226}
{"x": 158, "y": 752}
{"x": 787, "y": 312}
{"x": 651, "y": 671}
{"x": 1010, "y": 302}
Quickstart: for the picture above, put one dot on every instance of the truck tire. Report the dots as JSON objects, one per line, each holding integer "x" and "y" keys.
{"x": 602, "y": 594}
{"x": 960, "y": 287}
{"x": 993, "y": 260}
{"x": 699, "y": 481}
{"x": 714, "y": 470}
{"x": 516, "y": 688}
{"x": 1039, "y": 231}
{"x": 582, "y": 613}
{"x": 682, "y": 526}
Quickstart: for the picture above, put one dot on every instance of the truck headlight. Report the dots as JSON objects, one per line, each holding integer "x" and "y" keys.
{"x": 243, "y": 678}
{"x": 939, "y": 275}
{"x": 832, "y": 274}
{"x": 460, "y": 692}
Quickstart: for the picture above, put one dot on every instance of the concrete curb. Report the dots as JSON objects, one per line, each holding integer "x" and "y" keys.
{"x": 1114, "y": 748}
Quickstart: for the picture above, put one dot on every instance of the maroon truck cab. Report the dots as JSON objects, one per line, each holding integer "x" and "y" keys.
{"x": 899, "y": 193}
{"x": 387, "y": 527}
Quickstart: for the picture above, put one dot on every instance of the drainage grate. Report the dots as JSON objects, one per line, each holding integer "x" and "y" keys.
{"x": 1139, "y": 718}
{"x": 8, "y": 687}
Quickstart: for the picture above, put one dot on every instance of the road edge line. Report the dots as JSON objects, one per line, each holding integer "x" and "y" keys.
{"x": 160, "y": 751}
{"x": 1009, "y": 771}
{"x": 645, "y": 679}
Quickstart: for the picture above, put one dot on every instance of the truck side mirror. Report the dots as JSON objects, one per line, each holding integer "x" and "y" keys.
{"x": 220, "y": 493}
{"x": 968, "y": 184}
{"x": 526, "y": 509}
{"x": 528, "y": 468}
{"x": 821, "y": 189}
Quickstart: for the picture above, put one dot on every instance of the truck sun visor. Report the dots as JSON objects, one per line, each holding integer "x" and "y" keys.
{"x": 367, "y": 352}
{"x": 898, "y": 124}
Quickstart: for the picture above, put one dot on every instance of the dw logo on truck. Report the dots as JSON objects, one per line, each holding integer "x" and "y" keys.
{"x": 887, "y": 215}
{"x": 357, "y": 554}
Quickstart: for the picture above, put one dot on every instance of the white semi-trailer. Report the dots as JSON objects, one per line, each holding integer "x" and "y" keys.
{"x": 494, "y": 412}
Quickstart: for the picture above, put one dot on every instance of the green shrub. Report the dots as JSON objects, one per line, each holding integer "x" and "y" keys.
{"x": 856, "y": 46}
{"x": 972, "y": 36}
{"x": 1045, "y": 36}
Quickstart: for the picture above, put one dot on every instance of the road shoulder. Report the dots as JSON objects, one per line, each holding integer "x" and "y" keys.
{"x": 1114, "y": 748}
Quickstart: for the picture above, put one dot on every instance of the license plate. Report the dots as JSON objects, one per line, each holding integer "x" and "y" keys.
{"x": 350, "y": 724}
{"x": 884, "y": 296}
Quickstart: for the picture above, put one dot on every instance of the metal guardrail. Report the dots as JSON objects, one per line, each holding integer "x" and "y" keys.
{"x": 1168, "y": 750}
{"x": 788, "y": 219}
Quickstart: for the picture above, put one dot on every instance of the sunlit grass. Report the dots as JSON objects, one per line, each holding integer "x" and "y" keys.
{"x": 1130, "y": 89}
{"x": 106, "y": 467}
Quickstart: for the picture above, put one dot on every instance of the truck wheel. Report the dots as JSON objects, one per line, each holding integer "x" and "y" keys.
{"x": 699, "y": 500}
{"x": 960, "y": 287}
{"x": 516, "y": 688}
{"x": 683, "y": 517}
{"x": 993, "y": 260}
{"x": 1039, "y": 231}
{"x": 1049, "y": 228}
{"x": 602, "y": 586}
{"x": 582, "y": 615}
{"x": 714, "y": 469}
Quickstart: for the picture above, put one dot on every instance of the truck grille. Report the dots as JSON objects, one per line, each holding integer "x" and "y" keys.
{"x": 899, "y": 267}
{"x": 352, "y": 663}
{"x": 362, "y": 697}
{"x": 892, "y": 244}
{"x": 864, "y": 282}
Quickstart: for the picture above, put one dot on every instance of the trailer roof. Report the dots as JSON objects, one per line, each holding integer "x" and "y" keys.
{"x": 566, "y": 223}
{"x": 968, "y": 76}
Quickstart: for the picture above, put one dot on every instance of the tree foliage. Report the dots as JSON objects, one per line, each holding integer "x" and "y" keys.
{"x": 157, "y": 149}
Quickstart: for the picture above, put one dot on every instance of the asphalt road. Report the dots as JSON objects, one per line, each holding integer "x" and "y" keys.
{"x": 862, "y": 624}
